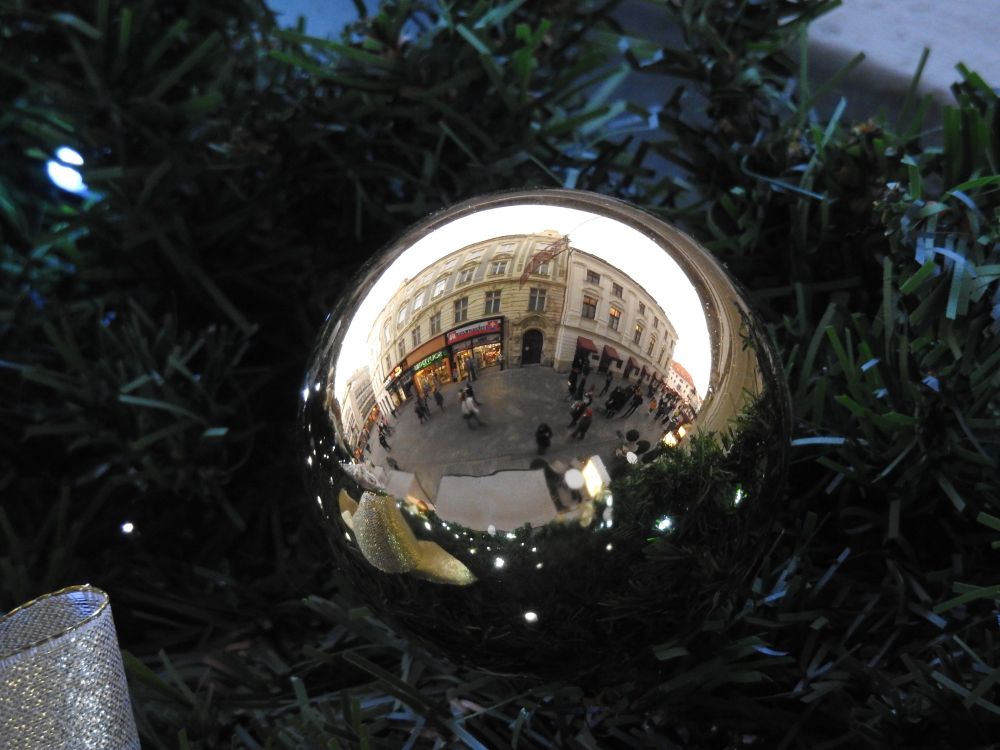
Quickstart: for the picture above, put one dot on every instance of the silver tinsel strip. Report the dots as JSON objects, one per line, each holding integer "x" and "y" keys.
{"x": 62, "y": 681}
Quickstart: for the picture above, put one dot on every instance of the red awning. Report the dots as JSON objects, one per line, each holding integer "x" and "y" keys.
{"x": 585, "y": 343}
{"x": 632, "y": 365}
{"x": 610, "y": 353}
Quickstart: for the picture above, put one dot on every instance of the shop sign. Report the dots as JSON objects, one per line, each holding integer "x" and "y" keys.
{"x": 392, "y": 376}
{"x": 473, "y": 329}
{"x": 428, "y": 360}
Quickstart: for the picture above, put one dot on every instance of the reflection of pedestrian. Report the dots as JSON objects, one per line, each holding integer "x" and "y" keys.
{"x": 584, "y": 425}
{"x": 543, "y": 436}
{"x": 383, "y": 442}
{"x": 440, "y": 399}
{"x": 470, "y": 411}
{"x": 636, "y": 400}
{"x": 607, "y": 383}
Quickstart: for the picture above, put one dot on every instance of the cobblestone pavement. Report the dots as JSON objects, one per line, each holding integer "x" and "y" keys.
{"x": 513, "y": 403}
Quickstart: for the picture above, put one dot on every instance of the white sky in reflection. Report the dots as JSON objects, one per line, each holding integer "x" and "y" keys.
{"x": 608, "y": 239}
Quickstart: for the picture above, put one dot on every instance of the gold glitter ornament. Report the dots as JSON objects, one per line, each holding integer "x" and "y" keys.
{"x": 62, "y": 682}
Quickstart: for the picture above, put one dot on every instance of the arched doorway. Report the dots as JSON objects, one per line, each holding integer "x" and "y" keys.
{"x": 531, "y": 347}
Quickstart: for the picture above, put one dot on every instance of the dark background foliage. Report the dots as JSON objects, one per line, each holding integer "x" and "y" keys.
{"x": 153, "y": 335}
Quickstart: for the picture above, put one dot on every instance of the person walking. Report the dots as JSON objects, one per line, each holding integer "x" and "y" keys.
{"x": 580, "y": 386}
{"x": 636, "y": 401}
{"x": 607, "y": 383}
{"x": 652, "y": 406}
{"x": 575, "y": 412}
{"x": 614, "y": 402}
{"x": 543, "y": 437}
{"x": 470, "y": 411}
{"x": 439, "y": 398}
{"x": 472, "y": 394}
{"x": 383, "y": 442}
{"x": 584, "y": 424}
{"x": 571, "y": 383}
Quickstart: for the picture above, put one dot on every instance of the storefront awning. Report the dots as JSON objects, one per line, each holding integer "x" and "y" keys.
{"x": 610, "y": 353}
{"x": 585, "y": 343}
{"x": 632, "y": 365}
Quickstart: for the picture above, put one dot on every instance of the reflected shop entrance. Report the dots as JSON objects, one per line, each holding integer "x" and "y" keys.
{"x": 531, "y": 347}
{"x": 510, "y": 363}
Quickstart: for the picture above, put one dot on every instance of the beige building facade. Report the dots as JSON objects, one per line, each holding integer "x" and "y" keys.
{"x": 610, "y": 318}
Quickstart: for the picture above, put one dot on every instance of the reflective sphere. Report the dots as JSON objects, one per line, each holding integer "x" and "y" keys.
{"x": 545, "y": 432}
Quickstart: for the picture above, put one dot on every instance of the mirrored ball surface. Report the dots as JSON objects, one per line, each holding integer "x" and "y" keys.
{"x": 544, "y": 431}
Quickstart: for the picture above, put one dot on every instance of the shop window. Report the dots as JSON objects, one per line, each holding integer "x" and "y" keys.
{"x": 536, "y": 300}
{"x": 492, "y": 303}
{"x": 593, "y": 278}
{"x": 439, "y": 286}
{"x": 461, "y": 309}
{"x": 637, "y": 334}
{"x": 418, "y": 301}
{"x": 642, "y": 309}
{"x": 435, "y": 323}
{"x": 614, "y": 318}
{"x": 617, "y": 291}
{"x": 465, "y": 275}
{"x": 498, "y": 267}
{"x": 416, "y": 336}
{"x": 589, "y": 307}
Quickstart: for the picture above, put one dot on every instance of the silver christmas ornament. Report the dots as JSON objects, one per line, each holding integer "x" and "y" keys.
{"x": 544, "y": 431}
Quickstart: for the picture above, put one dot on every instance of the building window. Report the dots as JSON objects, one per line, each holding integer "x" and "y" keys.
{"x": 416, "y": 336}
{"x": 659, "y": 360}
{"x": 637, "y": 336}
{"x": 474, "y": 256}
{"x": 498, "y": 267}
{"x": 418, "y": 301}
{"x": 450, "y": 263}
{"x": 507, "y": 247}
{"x": 616, "y": 290}
{"x": 461, "y": 309}
{"x": 388, "y": 365}
{"x": 465, "y": 275}
{"x": 436, "y": 323}
{"x": 614, "y": 318}
{"x": 543, "y": 268}
{"x": 642, "y": 309}
{"x": 652, "y": 344}
{"x": 536, "y": 300}
{"x": 401, "y": 317}
{"x": 593, "y": 278}
{"x": 656, "y": 322}
{"x": 401, "y": 350}
{"x": 492, "y": 303}
{"x": 439, "y": 286}
{"x": 386, "y": 334}
{"x": 589, "y": 307}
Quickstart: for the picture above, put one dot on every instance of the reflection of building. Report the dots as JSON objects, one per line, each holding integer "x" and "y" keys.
{"x": 611, "y": 318}
{"x": 479, "y": 307}
{"x": 468, "y": 308}
{"x": 680, "y": 380}
{"x": 359, "y": 410}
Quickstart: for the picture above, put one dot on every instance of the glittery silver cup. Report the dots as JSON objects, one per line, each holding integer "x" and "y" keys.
{"x": 62, "y": 681}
